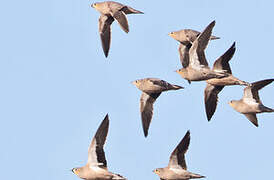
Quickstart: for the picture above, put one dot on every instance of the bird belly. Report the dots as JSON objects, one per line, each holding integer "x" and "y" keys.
{"x": 248, "y": 108}
{"x": 96, "y": 173}
{"x": 199, "y": 74}
{"x": 226, "y": 81}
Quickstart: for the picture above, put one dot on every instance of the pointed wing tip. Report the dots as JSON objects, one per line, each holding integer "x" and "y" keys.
{"x": 255, "y": 124}
{"x": 145, "y": 133}
{"x": 106, "y": 119}
{"x": 212, "y": 23}
{"x": 188, "y": 133}
{"x": 106, "y": 53}
{"x": 209, "y": 114}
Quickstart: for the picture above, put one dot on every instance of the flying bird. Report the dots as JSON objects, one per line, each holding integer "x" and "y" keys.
{"x": 177, "y": 168}
{"x": 250, "y": 104}
{"x": 186, "y": 37}
{"x": 111, "y": 11}
{"x": 195, "y": 68}
{"x": 151, "y": 88}
{"x": 215, "y": 85}
{"x": 96, "y": 167}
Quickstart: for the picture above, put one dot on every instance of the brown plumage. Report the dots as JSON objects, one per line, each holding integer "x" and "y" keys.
{"x": 177, "y": 168}
{"x": 250, "y": 104}
{"x": 151, "y": 88}
{"x": 111, "y": 11}
{"x": 196, "y": 69}
{"x": 96, "y": 167}
{"x": 214, "y": 86}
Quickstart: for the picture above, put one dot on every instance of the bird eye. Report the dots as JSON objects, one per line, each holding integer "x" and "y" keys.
{"x": 136, "y": 81}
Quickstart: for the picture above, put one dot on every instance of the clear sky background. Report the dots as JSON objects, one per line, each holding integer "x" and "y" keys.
{"x": 56, "y": 86}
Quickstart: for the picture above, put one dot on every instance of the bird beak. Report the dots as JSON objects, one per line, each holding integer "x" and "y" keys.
{"x": 72, "y": 170}
{"x": 92, "y": 5}
{"x": 171, "y": 35}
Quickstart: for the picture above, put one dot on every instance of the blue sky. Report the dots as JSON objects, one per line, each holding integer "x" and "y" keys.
{"x": 57, "y": 86}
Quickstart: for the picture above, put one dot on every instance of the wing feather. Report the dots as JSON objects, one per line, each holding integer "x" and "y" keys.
{"x": 105, "y": 32}
{"x": 96, "y": 154}
{"x": 177, "y": 157}
{"x": 146, "y": 109}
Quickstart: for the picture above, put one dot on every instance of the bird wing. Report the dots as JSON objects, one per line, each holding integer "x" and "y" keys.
{"x": 184, "y": 54}
{"x": 121, "y": 18}
{"x": 196, "y": 52}
{"x": 96, "y": 154}
{"x": 105, "y": 32}
{"x": 211, "y": 99}
{"x": 163, "y": 85}
{"x": 222, "y": 62}
{"x": 130, "y": 10}
{"x": 251, "y": 92}
{"x": 146, "y": 109}
{"x": 252, "y": 118}
{"x": 177, "y": 157}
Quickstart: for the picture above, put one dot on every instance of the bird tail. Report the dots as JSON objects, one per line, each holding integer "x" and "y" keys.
{"x": 214, "y": 37}
{"x": 196, "y": 176}
{"x": 130, "y": 10}
{"x": 244, "y": 83}
{"x": 176, "y": 87}
{"x": 118, "y": 177}
{"x": 266, "y": 109}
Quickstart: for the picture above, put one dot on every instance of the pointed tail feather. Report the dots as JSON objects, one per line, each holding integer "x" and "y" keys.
{"x": 119, "y": 177}
{"x": 176, "y": 87}
{"x": 196, "y": 176}
{"x": 266, "y": 109}
{"x": 130, "y": 10}
{"x": 214, "y": 37}
{"x": 244, "y": 83}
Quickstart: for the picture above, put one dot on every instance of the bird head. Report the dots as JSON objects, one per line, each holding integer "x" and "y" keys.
{"x": 76, "y": 171}
{"x": 182, "y": 72}
{"x": 136, "y": 82}
{"x": 232, "y": 103}
{"x": 157, "y": 171}
{"x": 94, "y": 5}
{"x": 172, "y": 34}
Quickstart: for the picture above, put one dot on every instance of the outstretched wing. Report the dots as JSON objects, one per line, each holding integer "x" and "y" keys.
{"x": 222, "y": 62}
{"x": 184, "y": 54}
{"x": 196, "y": 52}
{"x": 96, "y": 154}
{"x": 146, "y": 109}
{"x": 252, "y": 118}
{"x": 177, "y": 157}
{"x": 121, "y": 18}
{"x": 211, "y": 99}
{"x": 105, "y": 32}
{"x": 251, "y": 92}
